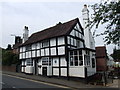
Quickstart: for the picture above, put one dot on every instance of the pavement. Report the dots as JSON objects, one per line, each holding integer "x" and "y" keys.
{"x": 63, "y": 82}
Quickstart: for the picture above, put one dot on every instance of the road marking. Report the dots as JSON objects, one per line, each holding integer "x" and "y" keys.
{"x": 13, "y": 87}
{"x": 38, "y": 81}
{"x": 2, "y": 82}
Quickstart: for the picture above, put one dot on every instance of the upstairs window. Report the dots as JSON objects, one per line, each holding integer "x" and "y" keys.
{"x": 28, "y": 47}
{"x": 45, "y": 43}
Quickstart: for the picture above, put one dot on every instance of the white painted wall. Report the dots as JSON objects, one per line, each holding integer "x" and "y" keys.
{"x": 61, "y": 40}
{"x": 33, "y": 54}
{"x": 27, "y": 54}
{"x": 56, "y": 71}
{"x": 63, "y": 71}
{"x": 38, "y": 45}
{"x": 53, "y": 51}
{"x": 53, "y": 42}
{"x": 23, "y": 55}
{"x": 42, "y": 52}
{"x": 20, "y": 56}
{"x": 72, "y": 33}
{"x": 34, "y": 46}
{"x": 46, "y": 51}
{"x": 61, "y": 50}
{"x": 30, "y": 54}
{"x": 29, "y": 69}
{"x": 63, "y": 61}
{"x": 40, "y": 69}
{"x": 21, "y": 49}
{"x": 49, "y": 70}
{"x": 38, "y": 53}
{"x": 56, "y": 62}
{"x": 77, "y": 71}
{"x": 24, "y": 49}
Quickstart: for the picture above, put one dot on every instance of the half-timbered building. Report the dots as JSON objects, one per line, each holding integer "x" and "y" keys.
{"x": 58, "y": 51}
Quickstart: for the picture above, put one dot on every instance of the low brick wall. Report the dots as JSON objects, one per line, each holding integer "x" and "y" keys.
{"x": 9, "y": 68}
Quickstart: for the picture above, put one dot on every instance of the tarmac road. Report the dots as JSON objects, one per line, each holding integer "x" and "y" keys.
{"x": 18, "y": 83}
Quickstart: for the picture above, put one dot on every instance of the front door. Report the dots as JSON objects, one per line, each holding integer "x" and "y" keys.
{"x": 36, "y": 67}
{"x": 44, "y": 71}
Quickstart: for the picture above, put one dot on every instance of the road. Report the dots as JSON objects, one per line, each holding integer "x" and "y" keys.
{"x": 18, "y": 83}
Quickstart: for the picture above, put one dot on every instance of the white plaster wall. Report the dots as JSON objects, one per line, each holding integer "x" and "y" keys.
{"x": 61, "y": 40}
{"x": 72, "y": 41}
{"x": 20, "y": 56}
{"x": 49, "y": 70}
{"x": 63, "y": 61}
{"x": 23, "y": 55}
{"x": 22, "y": 69}
{"x": 40, "y": 69}
{"x": 21, "y": 49}
{"x": 33, "y": 54}
{"x": 30, "y": 54}
{"x": 53, "y": 42}
{"x": 90, "y": 71}
{"x": 38, "y": 46}
{"x": 72, "y": 33}
{"x": 77, "y": 25}
{"x": 63, "y": 71}
{"x": 68, "y": 38}
{"x": 77, "y": 71}
{"x": 33, "y": 46}
{"x": 42, "y": 52}
{"x": 61, "y": 50}
{"x": 27, "y": 54}
{"x": 56, "y": 71}
{"x": 47, "y": 51}
{"x": 38, "y": 53}
{"x": 53, "y": 51}
{"x": 29, "y": 69}
{"x": 75, "y": 42}
{"x": 56, "y": 62}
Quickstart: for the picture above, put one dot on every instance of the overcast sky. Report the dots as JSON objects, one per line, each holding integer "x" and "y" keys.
{"x": 40, "y": 15}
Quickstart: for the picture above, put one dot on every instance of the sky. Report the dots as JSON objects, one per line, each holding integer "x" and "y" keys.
{"x": 38, "y": 15}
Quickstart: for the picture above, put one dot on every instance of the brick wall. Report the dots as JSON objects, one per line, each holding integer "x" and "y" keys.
{"x": 9, "y": 68}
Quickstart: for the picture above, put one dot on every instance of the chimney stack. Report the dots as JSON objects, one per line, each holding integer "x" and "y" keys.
{"x": 25, "y": 34}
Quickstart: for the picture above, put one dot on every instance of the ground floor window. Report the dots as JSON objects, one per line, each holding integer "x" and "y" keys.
{"x": 75, "y": 58}
{"x": 93, "y": 63}
{"x": 87, "y": 60}
{"x": 46, "y": 61}
{"x": 29, "y": 62}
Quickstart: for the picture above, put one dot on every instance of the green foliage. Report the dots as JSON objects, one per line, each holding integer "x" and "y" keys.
{"x": 107, "y": 13}
{"x": 116, "y": 55}
{"x": 9, "y": 58}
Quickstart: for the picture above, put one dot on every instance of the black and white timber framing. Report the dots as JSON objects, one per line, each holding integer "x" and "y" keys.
{"x": 58, "y": 51}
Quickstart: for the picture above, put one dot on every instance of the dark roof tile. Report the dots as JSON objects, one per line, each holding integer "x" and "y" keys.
{"x": 58, "y": 30}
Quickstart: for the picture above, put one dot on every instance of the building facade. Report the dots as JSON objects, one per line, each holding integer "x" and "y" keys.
{"x": 58, "y": 51}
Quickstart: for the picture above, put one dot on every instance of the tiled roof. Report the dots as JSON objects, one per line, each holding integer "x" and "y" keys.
{"x": 58, "y": 30}
{"x": 15, "y": 46}
{"x": 101, "y": 52}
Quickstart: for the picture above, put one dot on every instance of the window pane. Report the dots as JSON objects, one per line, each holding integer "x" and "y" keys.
{"x": 75, "y": 52}
{"x": 76, "y": 60}
{"x": 71, "y": 60}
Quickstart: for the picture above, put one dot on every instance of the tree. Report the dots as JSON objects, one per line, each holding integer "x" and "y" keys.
{"x": 108, "y": 13}
{"x": 116, "y": 55}
{"x": 9, "y": 58}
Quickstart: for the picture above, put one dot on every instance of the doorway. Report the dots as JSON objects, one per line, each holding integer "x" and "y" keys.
{"x": 44, "y": 71}
{"x": 36, "y": 67}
